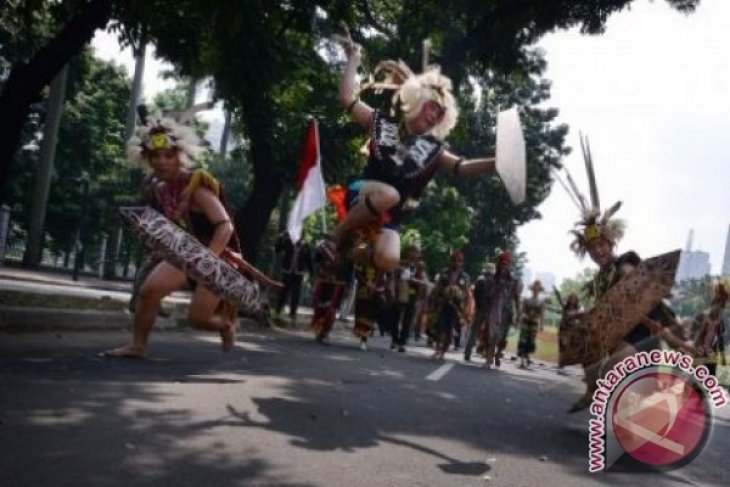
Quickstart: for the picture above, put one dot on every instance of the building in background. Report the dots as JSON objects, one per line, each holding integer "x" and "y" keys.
{"x": 726, "y": 259}
{"x": 693, "y": 264}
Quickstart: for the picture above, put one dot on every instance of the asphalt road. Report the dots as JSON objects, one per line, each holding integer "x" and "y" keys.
{"x": 281, "y": 410}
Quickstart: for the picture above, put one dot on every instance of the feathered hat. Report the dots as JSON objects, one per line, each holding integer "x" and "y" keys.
{"x": 158, "y": 132}
{"x": 594, "y": 223}
{"x": 411, "y": 90}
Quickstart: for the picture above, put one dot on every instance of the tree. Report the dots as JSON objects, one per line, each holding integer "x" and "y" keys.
{"x": 76, "y": 22}
{"x": 693, "y": 296}
{"x": 577, "y": 285}
{"x": 283, "y": 66}
{"x": 90, "y": 142}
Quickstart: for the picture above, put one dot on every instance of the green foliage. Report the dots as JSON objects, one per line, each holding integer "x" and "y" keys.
{"x": 443, "y": 222}
{"x": 90, "y": 142}
{"x": 693, "y": 296}
{"x": 272, "y": 65}
{"x": 577, "y": 285}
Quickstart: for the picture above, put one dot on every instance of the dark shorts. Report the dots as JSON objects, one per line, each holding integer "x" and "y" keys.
{"x": 351, "y": 199}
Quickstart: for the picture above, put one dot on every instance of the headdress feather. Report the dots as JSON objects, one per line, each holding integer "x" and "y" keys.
{"x": 593, "y": 224}
{"x": 159, "y": 131}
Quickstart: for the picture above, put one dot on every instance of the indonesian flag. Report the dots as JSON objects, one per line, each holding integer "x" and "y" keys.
{"x": 310, "y": 184}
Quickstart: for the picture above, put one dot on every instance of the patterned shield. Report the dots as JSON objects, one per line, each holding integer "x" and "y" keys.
{"x": 185, "y": 252}
{"x": 617, "y": 312}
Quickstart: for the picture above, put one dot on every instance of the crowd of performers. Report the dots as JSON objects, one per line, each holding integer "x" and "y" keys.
{"x": 407, "y": 304}
{"x": 406, "y": 150}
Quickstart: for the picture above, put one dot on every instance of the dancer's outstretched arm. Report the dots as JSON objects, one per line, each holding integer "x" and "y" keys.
{"x": 360, "y": 111}
{"x": 459, "y": 166}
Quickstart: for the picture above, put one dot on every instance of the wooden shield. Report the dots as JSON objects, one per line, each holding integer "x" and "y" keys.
{"x": 185, "y": 252}
{"x": 616, "y": 313}
{"x": 511, "y": 154}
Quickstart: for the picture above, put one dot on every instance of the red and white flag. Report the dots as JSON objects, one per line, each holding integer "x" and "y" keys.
{"x": 310, "y": 184}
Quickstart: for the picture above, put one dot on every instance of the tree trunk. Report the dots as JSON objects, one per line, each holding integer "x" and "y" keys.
{"x": 35, "y": 240}
{"x": 24, "y": 85}
{"x": 253, "y": 218}
{"x": 110, "y": 266}
{"x": 223, "y": 150}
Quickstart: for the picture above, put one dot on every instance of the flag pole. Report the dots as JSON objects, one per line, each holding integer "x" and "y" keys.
{"x": 323, "y": 212}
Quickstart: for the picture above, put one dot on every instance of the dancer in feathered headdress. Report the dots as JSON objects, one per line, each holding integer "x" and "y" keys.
{"x": 193, "y": 200}
{"x": 158, "y": 132}
{"x": 597, "y": 233}
{"x": 406, "y": 147}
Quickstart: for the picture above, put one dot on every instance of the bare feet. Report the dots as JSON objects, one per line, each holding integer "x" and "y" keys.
{"x": 127, "y": 351}
{"x": 228, "y": 337}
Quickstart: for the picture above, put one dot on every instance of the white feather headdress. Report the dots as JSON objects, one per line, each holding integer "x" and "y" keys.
{"x": 163, "y": 132}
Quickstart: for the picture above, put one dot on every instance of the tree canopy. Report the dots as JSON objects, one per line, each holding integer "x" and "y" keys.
{"x": 273, "y": 65}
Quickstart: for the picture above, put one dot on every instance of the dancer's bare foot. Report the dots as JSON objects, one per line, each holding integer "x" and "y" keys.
{"x": 127, "y": 351}
{"x": 228, "y": 337}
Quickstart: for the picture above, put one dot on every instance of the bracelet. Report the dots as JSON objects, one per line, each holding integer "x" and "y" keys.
{"x": 458, "y": 165}
{"x": 352, "y": 105}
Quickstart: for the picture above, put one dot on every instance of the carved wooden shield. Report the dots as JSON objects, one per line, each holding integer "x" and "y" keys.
{"x": 185, "y": 252}
{"x": 616, "y": 313}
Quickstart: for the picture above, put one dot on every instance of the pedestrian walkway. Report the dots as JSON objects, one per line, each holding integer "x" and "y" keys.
{"x": 55, "y": 277}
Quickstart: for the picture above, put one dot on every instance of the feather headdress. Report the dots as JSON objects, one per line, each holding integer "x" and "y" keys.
{"x": 594, "y": 223}
{"x": 158, "y": 131}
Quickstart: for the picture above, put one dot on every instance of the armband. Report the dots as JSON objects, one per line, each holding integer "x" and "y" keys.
{"x": 352, "y": 105}
{"x": 458, "y": 165}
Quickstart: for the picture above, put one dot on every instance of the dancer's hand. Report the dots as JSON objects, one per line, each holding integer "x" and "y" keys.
{"x": 353, "y": 50}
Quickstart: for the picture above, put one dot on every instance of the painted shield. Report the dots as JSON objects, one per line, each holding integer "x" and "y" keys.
{"x": 511, "y": 155}
{"x": 618, "y": 311}
{"x": 185, "y": 252}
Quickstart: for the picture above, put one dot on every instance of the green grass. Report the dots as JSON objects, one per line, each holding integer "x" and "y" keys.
{"x": 546, "y": 344}
{"x": 547, "y": 350}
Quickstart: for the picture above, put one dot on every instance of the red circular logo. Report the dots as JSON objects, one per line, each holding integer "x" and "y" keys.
{"x": 661, "y": 419}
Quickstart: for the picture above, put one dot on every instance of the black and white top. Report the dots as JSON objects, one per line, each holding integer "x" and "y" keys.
{"x": 406, "y": 162}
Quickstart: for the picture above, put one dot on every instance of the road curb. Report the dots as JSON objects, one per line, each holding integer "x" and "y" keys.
{"x": 31, "y": 319}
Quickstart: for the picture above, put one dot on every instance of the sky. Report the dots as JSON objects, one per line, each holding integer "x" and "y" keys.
{"x": 653, "y": 96}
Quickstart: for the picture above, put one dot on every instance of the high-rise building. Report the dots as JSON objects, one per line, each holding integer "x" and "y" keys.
{"x": 726, "y": 259}
{"x": 693, "y": 264}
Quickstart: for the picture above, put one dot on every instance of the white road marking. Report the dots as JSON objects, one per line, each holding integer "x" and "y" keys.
{"x": 440, "y": 372}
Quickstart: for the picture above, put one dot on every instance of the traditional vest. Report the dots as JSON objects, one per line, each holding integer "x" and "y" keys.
{"x": 406, "y": 162}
